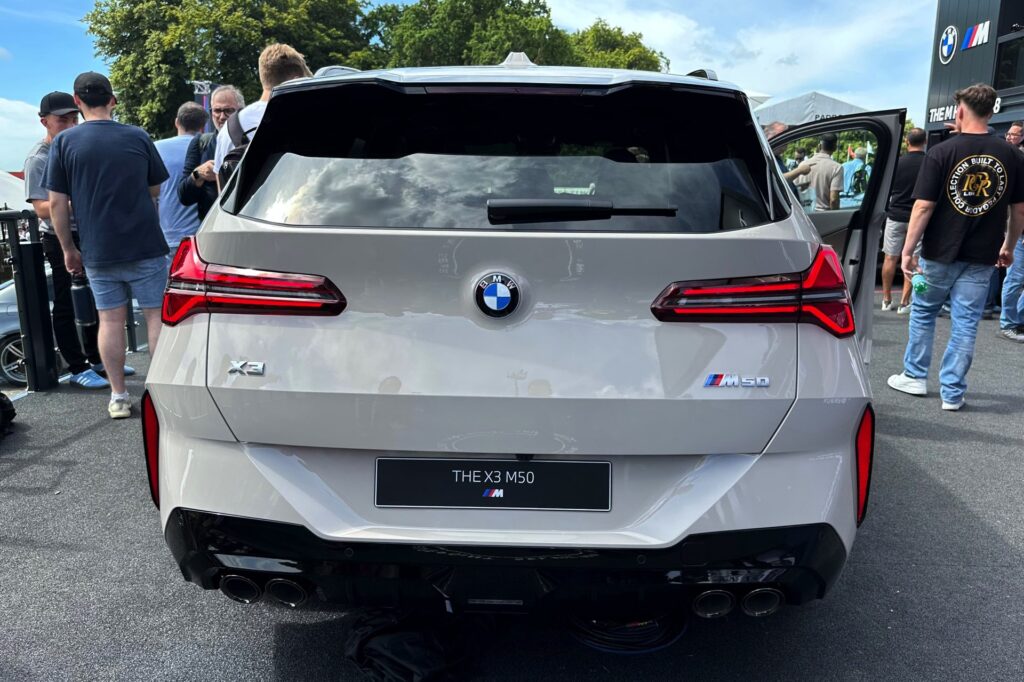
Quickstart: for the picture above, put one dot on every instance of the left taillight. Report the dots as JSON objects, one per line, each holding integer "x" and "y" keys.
{"x": 151, "y": 444}
{"x": 195, "y": 286}
{"x": 816, "y": 296}
{"x": 865, "y": 447}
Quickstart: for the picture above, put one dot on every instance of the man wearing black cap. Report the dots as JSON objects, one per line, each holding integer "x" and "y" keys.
{"x": 58, "y": 112}
{"x": 112, "y": 173}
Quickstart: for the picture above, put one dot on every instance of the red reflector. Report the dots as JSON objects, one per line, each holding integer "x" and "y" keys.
{"x": 195, "y": 286}
{"x": 151, "y": 444}
{"x": 865, "y": 456}
{"x": 817, "y": 296}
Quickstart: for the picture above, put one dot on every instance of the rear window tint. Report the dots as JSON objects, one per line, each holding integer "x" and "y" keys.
{"x": 393, "y": 160}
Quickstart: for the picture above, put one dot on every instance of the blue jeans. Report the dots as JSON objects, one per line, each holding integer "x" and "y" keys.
{"x": 966, "y": 285}
{"x": 1013, "y": 303}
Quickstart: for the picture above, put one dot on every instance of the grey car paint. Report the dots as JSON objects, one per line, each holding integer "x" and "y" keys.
{"x": 582, "y": 369}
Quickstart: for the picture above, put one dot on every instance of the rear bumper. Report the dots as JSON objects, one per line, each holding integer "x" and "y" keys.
{"x": 802, "y": 561}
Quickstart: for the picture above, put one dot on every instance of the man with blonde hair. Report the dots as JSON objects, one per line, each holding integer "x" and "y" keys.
{"x": 278, "y": 63}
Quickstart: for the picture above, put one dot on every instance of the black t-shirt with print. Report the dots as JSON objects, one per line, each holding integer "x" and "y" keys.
{"x": 973, "y": 179}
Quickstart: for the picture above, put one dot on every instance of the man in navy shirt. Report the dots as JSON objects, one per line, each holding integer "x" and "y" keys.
{"x": 112, "y": 174}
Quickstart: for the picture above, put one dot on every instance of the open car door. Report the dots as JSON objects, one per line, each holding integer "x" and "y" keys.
{"x": 867, "y": 147}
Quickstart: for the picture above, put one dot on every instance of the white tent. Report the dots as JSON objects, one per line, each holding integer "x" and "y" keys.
{"x": 810, "y": 106}
{"x": 12, "y": 192}
{"x": 757, "y": 98}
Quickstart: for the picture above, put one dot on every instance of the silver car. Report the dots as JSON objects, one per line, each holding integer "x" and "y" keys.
{"x": 497, "y": 338}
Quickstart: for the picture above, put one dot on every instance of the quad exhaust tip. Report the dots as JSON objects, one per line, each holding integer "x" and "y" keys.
{"x": 240, "y": 589}
{"x": 762, "y": 602}
{"x": 713, "y": 603}
{"x": 286, "y": 592}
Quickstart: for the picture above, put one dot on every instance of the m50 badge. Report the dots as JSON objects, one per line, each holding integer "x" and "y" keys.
{"x": 735, "y": 381}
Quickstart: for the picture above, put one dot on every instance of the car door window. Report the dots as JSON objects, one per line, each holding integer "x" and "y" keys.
{"x": 830, "y": 179}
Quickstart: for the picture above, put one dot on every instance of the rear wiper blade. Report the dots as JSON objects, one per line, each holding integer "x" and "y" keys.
{"x": 506, "y": 211}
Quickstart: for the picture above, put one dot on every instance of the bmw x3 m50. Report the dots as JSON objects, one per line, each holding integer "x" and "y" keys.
{"x": 505, "y": 337}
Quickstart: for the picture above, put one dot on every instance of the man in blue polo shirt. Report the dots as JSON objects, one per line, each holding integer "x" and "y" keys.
{"x": 112, "y": 173}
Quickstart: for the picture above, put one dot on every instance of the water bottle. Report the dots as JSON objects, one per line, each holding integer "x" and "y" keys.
{"x": 81, "y": 301}
{"x": 919, "y": 283}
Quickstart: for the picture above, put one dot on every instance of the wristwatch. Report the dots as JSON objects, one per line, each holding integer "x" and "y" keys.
{"x": 195, "y": 173}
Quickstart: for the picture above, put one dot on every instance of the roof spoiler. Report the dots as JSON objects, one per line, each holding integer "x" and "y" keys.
{"x": 706, "y": 74}
{"x": 335, "y": 70}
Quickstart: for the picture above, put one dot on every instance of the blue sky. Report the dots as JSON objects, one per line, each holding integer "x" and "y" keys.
{"x": 875, "y": 53}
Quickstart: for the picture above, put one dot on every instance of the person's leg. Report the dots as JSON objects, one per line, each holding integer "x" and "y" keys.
{"x": 149, "y": 279}
{"x": 967, "y": 298}
{"x": 892, "y": 246}
{"x": 918, "y": 356}
{"x": 65, "y": 330}
{"x": 153, "y": 326}
{"x": 1012, "y": 301}
{"x": 112, "y": 345}
{"x": 889, "y": 267}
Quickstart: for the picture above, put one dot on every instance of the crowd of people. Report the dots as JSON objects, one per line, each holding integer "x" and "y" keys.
{"x": 114, "y": 206}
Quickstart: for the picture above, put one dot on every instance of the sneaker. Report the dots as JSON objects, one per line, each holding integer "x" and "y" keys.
{"x": 886, "y": 305}
{"x": 128, "y": 371}
{"x": 987, "y": 314}
{"x": 89, "y": 379}
{"x": 903, "y": 309}
{"x": 1012, "y": 334}
{"x": 945, "y": 311}
{"x": 953, "y": 407}
{"x": 901, "y": 382}
{"x": 120, "y": 408}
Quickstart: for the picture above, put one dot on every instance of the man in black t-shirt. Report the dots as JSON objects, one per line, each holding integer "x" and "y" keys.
{"x": 964, "y": 189}
{"x": 901, "y": 201}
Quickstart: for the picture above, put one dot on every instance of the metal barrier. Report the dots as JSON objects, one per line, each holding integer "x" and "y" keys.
{"x": 26, "y": 258}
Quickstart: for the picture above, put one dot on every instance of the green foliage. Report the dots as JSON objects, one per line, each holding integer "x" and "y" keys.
{"x": 611, "y": 47}
{"x": 154, "y": 47}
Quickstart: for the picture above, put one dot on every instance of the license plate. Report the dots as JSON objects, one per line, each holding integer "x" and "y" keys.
{"x": 565, "y": 485}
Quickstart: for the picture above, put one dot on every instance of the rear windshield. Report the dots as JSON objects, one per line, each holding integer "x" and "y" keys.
{"x": 368, "y": 156}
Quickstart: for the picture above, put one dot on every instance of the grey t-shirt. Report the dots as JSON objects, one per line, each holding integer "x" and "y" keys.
{"x": 35, "y": 176}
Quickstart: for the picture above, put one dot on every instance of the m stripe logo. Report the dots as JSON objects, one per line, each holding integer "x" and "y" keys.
{"x": 976, "y": 35}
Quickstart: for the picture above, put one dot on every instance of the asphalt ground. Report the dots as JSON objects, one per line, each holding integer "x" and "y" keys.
{"x": 932, "y": 589}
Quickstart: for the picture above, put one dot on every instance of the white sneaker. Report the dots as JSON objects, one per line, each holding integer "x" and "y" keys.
{"x": 954, "y": 406}
{"x": 903, "y": 310}
{"x": 886, "y": 305}
{"x": 120, "y": 408}
{"x": 901, "y": 382}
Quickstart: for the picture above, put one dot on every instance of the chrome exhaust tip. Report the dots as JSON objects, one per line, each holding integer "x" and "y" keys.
{"x": 286, "y": 592}
{"x": 764, "y": 601}
{"x": 240, "y": 589}
{"x": 713, "y": 603}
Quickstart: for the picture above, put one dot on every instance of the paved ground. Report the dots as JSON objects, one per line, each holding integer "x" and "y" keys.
{"x": 932, "y": 589}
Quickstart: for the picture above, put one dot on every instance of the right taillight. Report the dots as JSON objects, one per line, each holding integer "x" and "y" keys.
{"x": 816, "y": 296}
{"x": 195, "y": 286}
{"x": 865, "y": 446}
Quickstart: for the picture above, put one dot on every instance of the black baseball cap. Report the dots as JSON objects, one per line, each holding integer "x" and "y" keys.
{"x": 57, "y": 103}
{"x": 92, "y": 83}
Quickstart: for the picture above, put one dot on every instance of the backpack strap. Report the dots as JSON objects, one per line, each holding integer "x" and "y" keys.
{"x": 235, "y": 132}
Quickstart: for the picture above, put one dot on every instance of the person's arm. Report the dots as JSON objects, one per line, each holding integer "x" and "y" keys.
{"x": 803, "y": 169}
{"x": 919, "y": 217}
{"x": 60, "y": 218}
{"x": 835, "y": 187}
{"x": 42, "y": 208}
{"x": 1013, "y": 233}
{"x": 189, "y": 189}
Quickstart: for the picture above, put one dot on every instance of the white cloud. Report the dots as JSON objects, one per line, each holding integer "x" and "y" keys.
{"x": 19, "y": 122}
{"x": 783, "y": 52}
{"x": 5, "y": 55}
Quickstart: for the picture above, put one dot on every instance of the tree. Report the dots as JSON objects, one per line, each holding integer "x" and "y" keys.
{"x": 611, "y": 47}
{"x": 156, "y": 46}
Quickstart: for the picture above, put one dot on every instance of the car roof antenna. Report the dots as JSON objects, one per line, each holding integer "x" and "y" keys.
{"x": 517, "y": 60}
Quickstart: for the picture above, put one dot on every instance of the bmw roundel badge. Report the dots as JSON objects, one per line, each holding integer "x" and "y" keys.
{"x": 497, "y": 294}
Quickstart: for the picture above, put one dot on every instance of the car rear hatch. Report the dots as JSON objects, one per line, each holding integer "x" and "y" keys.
{"x": 591, "y": 203}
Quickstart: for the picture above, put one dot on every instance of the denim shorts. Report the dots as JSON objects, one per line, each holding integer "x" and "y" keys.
{"x": 114, "y": 285}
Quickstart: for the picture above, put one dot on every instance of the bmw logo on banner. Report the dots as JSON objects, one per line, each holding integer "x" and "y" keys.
{"x": 497, "y": 294}
{"x": 947, "y": 44}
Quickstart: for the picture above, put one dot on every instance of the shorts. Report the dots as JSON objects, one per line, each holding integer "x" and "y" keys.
{"x": 114, "y": 285}
{"x": 895, "y": 237}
